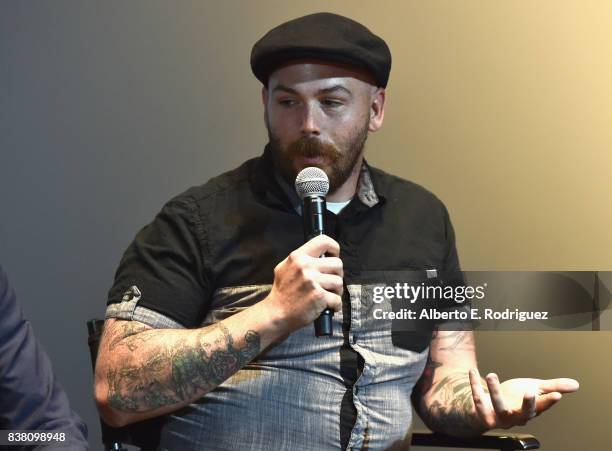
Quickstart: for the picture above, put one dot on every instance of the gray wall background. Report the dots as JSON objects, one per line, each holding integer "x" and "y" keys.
{"x": 108, "y": 109}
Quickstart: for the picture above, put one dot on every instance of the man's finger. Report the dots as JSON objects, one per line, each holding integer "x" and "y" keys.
{"x": 328, "y": 265}
{"x": 545, "y": 402}
{"x": 482, "y": 402}
{"x": 529, "y": 405}
{"x": 331, "y": 282}
{"x": 496, "y": 395}
{"x": 561, "y": 385}
{"x": 319, "y": 245}
{"x": 333, "y": 301}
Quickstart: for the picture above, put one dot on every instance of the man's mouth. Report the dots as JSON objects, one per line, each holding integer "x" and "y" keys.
{"x": 312, "y": 160}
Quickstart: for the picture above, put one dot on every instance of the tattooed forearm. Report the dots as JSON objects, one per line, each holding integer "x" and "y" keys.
{"x": 454, "y": 340}
{"x": 450, "y": 408}
{"x": 443, "y": 395}
{"x": 121, "y": 334}
{"x": 446, "y": 405}
{"x": 172, "y": 373}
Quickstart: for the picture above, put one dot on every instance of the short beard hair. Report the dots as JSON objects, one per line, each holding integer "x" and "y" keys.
{"x": 338, "y": 163}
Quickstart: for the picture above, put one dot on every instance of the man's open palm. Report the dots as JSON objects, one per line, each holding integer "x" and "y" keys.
{"x": 516, "y": 401}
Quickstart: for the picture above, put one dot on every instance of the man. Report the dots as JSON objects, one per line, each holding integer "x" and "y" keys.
{"x": 209, "y": 321}
{"x": 31, "y": 399}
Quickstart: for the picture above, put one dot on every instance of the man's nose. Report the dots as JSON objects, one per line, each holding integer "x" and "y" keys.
{"x": 310, "y": 122}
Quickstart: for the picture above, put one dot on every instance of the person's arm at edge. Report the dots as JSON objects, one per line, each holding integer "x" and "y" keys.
{"x": 31, "y": 396}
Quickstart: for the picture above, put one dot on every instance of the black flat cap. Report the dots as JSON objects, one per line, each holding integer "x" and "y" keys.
{"x": 324, "y": 36}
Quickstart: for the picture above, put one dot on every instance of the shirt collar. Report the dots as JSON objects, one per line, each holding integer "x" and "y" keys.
{"x": 365, "y": 187}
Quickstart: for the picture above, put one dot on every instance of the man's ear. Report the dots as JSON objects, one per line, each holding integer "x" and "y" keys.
{"x": 264, "y": 100}
{"x": 377, "y": 110}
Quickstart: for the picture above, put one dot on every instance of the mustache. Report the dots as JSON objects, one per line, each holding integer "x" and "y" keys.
{"x": 312, "y": 147}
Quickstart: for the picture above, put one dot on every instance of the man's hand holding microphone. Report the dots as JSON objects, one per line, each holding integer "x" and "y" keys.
{"x": 306, "y": 284}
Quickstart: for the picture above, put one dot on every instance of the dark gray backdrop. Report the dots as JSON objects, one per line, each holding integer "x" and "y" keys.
{"x": 106, "y": 111}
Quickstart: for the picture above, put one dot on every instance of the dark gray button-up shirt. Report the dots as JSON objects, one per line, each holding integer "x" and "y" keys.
{"x": 211, "y": 252}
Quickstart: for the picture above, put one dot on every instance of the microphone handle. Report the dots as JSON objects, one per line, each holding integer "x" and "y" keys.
{"x": 313, "y": 215}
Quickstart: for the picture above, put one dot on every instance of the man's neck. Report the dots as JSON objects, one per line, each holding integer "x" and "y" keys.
{"x": 347, "y": 190}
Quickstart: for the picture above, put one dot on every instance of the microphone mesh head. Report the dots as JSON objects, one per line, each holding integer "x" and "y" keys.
{"x": 311, "y": 181}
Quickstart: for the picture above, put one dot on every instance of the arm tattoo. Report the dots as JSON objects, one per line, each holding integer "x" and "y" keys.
{"x": 450, "y": 408}
{"x": 168, "y": 375}
{"x": 453, "y": 339}
{"x": 457, "y": 338}
{"x": 120, "y": 335}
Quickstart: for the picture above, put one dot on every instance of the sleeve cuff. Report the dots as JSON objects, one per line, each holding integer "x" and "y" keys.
{"x": 130, "y": 311}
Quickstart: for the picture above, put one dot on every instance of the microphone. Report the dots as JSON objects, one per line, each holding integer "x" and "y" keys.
{"x": 312, "y": 185}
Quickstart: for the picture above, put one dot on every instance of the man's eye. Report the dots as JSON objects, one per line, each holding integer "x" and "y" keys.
{"x": 331, "y": 103}
{"x": 287, "y": 102}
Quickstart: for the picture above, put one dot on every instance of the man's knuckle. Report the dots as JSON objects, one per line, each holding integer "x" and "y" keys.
{"x": 299, "y": 261}
{"x": 277, "y": 269}
{"x": 307, "y": 274}
{"x": 293, "y": 256}
{"x": 318, "y": 292}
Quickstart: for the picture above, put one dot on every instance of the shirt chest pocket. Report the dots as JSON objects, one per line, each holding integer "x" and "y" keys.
{"x": 411, "y": 294}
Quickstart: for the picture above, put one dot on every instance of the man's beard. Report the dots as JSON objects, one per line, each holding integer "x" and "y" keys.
{"x": 337, "y": 163}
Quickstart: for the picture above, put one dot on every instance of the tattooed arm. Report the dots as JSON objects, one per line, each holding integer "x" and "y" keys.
{"x": 452, "y": 398}
{"x": 143, "y": 372}
{"x": 443, "y": 395}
